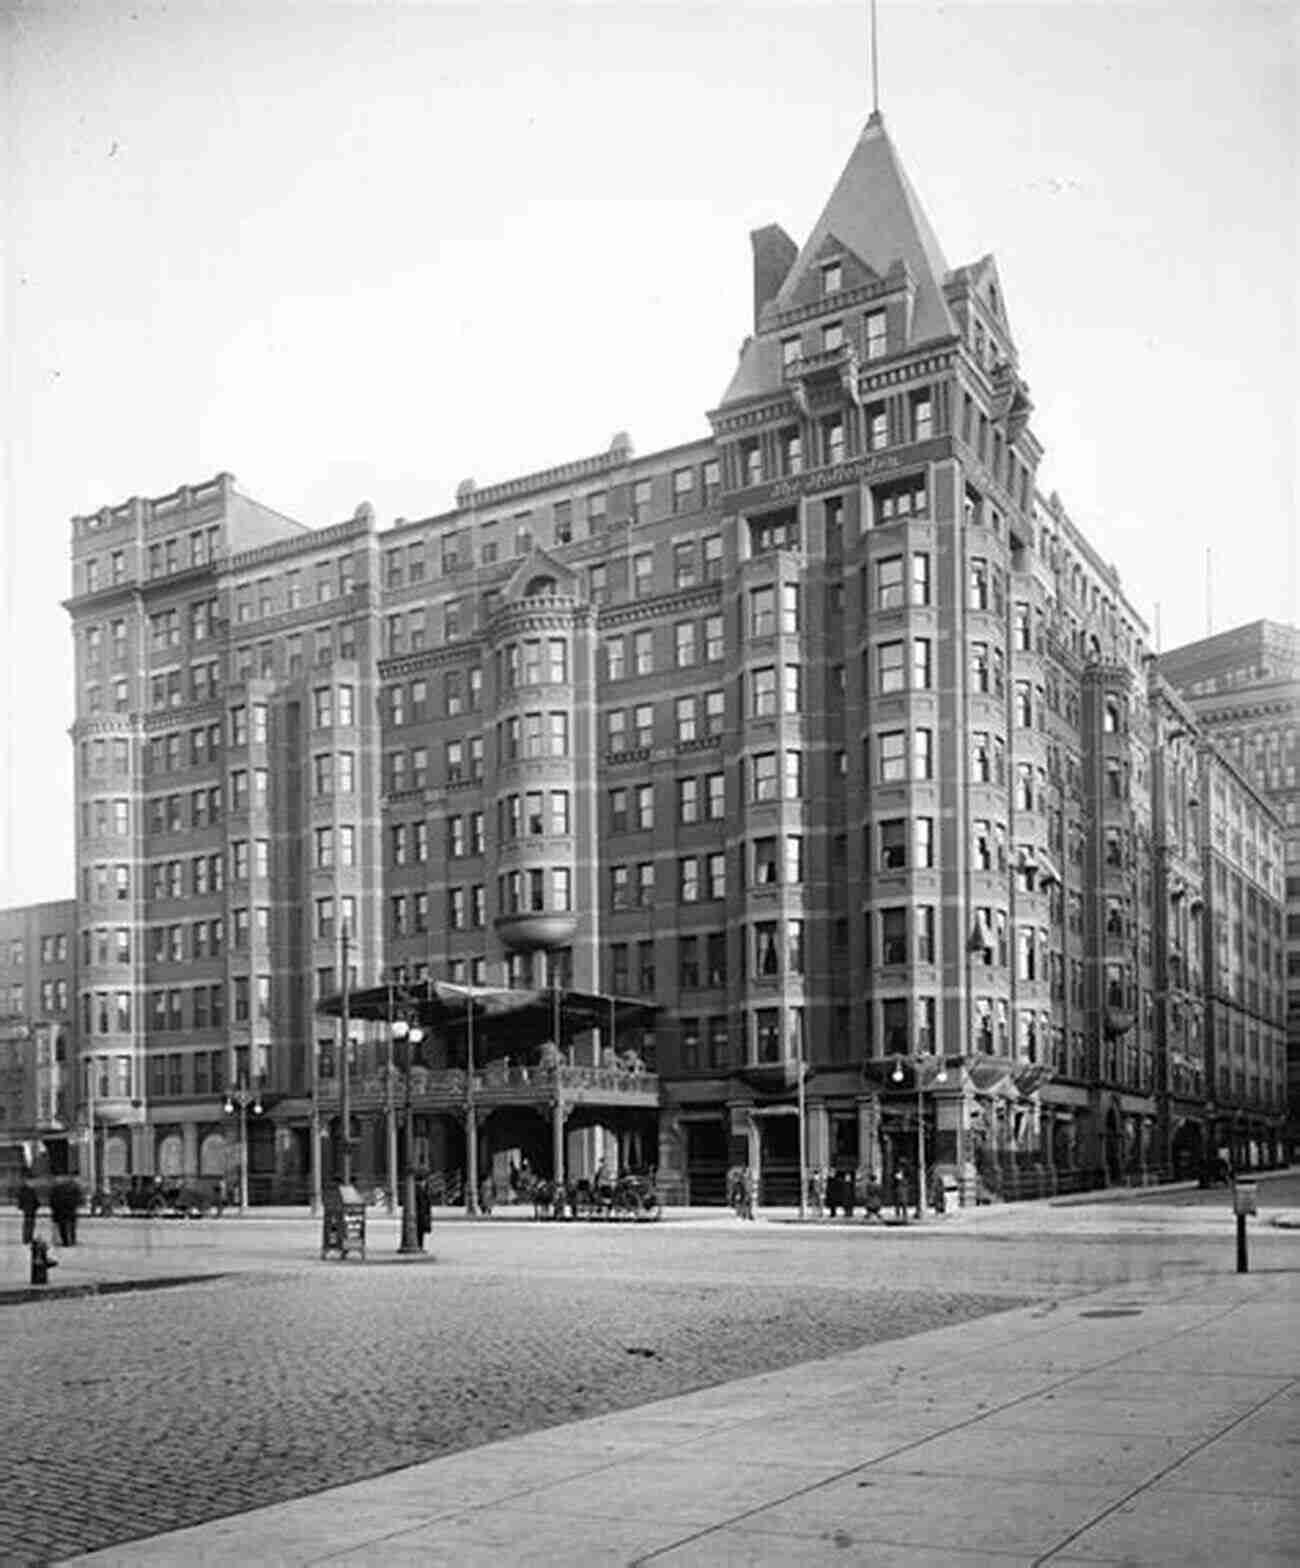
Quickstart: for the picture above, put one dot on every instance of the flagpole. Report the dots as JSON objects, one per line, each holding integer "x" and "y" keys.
{"x": 875, "y": 68}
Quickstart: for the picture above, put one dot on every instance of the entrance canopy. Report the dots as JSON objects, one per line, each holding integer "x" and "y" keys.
{"x": 528, "y": 1015}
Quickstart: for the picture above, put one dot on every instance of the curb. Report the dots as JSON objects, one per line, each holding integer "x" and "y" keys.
{"x": 105, "y": 1287}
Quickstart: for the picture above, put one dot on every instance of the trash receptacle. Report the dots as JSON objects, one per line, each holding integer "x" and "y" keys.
{"x": 343, "y": 1224}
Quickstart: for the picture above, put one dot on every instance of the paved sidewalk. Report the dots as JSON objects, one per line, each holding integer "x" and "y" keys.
{"x": 1147, "y": 1424}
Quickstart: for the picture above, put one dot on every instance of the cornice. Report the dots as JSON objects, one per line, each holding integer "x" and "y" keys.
{"x": 312, "y": 539}
{"x": 431, "y": 658}
{"x": 893, "y": 284}
{"x": 703, "y": 597}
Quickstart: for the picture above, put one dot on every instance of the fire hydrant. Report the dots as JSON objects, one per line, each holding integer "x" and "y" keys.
{"x": 42, "y": 1262}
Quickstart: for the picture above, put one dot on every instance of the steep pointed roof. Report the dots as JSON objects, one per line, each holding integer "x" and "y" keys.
{"x": 874, "y": 211}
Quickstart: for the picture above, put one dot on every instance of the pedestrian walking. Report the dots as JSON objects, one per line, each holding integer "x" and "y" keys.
{"x": 423, "y": 1208}
{"x": 28, "y": 1203}
{"x": 900, "y": 1192}
{"x": 749, "y": 1193}
{"x": 71, "y": 1198}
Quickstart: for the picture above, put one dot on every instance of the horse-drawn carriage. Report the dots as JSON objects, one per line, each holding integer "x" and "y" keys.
{"x": 626, "y": 1197}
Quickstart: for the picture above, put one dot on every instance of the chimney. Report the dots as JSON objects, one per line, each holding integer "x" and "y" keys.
{"x": 774, "y": 255}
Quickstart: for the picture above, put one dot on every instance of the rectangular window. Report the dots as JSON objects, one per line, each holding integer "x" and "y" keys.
{"x": 876, "y": 335}
{"x": 792, "y": 688}
{"x": 645, "y": 814}
{"x": 893, "y": 936}
{"x": 893, "y": 844}
{"x": 764, "y": 784}
{"x": 684, "y": 558}
{"x": 877, "y": 426}
{"x": 891, "y": 751}
{"x": 889, "y": 583}
{"x": 890, "y": 668}
{"x": 645, "y": 884}
{"x": 684, "y": 714}
{"x": 684, "y": 644}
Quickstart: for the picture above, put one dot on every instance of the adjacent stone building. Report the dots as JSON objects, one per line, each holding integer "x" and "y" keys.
{"x": 1244, "y": 687}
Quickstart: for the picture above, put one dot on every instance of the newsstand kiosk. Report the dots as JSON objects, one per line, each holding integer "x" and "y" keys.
{"x": 343, "y": 1226}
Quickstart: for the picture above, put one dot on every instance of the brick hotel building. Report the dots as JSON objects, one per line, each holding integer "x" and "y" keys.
{"x": 828, "y": 733}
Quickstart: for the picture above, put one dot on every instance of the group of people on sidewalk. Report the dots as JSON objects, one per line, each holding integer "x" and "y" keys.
{"x": 831, "y": 1191}
{"x": 64, "y": 1201}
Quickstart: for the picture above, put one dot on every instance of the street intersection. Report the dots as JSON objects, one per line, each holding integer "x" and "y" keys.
{"x": 280, "y": 1375}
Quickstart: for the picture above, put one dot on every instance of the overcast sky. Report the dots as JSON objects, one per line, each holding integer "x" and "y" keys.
{"x": 362, "y": 251}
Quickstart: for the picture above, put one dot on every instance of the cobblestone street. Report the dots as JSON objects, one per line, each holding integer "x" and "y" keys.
{"x": 131, "y": 1414}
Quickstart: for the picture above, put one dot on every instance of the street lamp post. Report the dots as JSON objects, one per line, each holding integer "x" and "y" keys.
{"x": 941, "y": 1076}
{"x": 345, "y": 1065}
{"x": 471, "y": 1110}
{"x": 803, "y": 1137}
{"x": 315, "y": 1128}
{"x": 412, "y": 1034}
{"x": 90, "y": 1115}
{"x": 390, "y": 1114}
{"x": 240, "y": 1099}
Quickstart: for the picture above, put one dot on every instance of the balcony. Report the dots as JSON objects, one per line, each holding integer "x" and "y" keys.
{"x": 822, "y": 375}
{"x": 536, "y": 931}
{"x": 499, "y": 1083}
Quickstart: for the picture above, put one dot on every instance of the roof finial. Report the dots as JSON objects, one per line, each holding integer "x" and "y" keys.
{"x": 875, "y": 66}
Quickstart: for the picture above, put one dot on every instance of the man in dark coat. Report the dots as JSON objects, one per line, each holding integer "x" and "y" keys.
{"x": 423, "y": 1208}
{"x": 28, "y": 1203}
{"x": 63, "y": 1212}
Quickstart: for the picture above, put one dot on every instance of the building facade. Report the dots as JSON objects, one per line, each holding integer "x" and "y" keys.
{"x": 829, "y": 734}
{"x": 37, "y": 1050}
{"x": 1244, "y": 687}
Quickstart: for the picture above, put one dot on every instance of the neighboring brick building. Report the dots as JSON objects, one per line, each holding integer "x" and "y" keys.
{"x": 828, "y": 733}
{"x": 1244, "y": 687}
{"x": 36, "y": 987}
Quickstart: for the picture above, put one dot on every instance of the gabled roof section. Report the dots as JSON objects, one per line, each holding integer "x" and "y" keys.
{"x": 981, "y": 278}
{"x": 538, "y": 573}
{"x": 874, "y": 213}
{"x": 805, "y": 287}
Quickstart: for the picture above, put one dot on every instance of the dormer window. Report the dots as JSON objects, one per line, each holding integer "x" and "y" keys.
{"x": 832, "y": 335}
{"x": 832, "y": 278}
{"x": 876, "y": 337}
